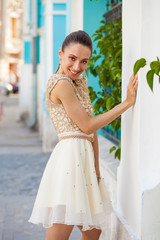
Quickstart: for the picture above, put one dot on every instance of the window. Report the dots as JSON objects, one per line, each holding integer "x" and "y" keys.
{"x": 14, "y": 27}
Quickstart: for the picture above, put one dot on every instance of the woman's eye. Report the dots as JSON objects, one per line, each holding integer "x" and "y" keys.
{"x": 85, "y": 62}
{"x": 72, "y": 58}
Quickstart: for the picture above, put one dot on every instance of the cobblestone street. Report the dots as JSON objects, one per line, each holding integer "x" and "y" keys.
{"x": 22, "y": 163}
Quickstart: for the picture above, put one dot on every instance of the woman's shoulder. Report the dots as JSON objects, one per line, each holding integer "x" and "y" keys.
{"x": 58, "y": 76}
{"x": 55, "y": 78}
{"x": 81, "y": 81}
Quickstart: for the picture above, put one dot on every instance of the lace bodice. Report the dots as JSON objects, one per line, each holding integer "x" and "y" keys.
{"x": 63, "y": 124}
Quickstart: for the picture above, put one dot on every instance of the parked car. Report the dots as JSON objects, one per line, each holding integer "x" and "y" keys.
{"x": 5, "y": 88}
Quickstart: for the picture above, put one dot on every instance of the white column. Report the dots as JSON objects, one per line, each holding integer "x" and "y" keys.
{"x": 26, "y": 27}
{"x": 32, "y": 120}
{"x": 138, "y": 194}
{"x": 41, "y": 84}
{"x": 25, "y": 83}
{"x": 49, "y": 134}
{"x": 77, "y": 15}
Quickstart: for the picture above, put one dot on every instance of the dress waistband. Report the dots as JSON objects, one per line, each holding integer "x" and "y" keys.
{"x": 76, "y": 135}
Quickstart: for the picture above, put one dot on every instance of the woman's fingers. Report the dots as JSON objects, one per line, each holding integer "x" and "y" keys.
{"x": 131, "y": 79}
{"x": 135, "y": 78}
{"x": 135, "y": 81}
{"x": 132, "y": 89}
{"x": 135, "y": 85}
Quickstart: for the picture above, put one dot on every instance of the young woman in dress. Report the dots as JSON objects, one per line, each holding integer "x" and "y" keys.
{"x": 71, "y": 191}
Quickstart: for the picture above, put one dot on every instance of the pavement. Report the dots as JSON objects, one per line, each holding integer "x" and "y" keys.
{"x": 22, "y": 163}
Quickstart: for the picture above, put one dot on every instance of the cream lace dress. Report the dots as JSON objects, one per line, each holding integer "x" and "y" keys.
{"x": 69, "y": 192}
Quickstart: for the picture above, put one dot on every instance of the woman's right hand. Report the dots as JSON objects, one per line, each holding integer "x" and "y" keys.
{"x": 132, "y": 90}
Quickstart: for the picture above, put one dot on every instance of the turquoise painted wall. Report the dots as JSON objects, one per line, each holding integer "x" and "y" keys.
{"x": 40, "y": 23}
{"x": 93, "y": 14}
{"x": 59, "y": 32}
{"x": 40, "y": 14}
{"x": 27, "y": 52}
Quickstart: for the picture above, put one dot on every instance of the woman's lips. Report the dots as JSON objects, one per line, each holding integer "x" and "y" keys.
{"x": 75, "y": 73}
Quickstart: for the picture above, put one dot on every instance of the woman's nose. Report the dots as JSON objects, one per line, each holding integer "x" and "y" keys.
{"x": 76, "y": 66}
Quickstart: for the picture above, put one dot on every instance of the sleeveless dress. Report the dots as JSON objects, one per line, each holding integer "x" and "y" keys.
{"x": 69, "y": 192}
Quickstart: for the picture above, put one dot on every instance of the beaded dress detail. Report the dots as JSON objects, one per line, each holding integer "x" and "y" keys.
{"x": 61, "y": 121}
{"x": 69, "y": 191}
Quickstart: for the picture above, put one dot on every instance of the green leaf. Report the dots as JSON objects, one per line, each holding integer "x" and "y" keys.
{"x": 92, "y": 94}
{"x": 155, "y": 65}
{"x": 139, "y": 64}
{"x": 112, "y": 149}
{"x": 97, "y": 37}
{"x": 102, "y": 21}
{"x": 119, "y": 145}
{"x": 149, "y": 77}
{"x": 157, "y": 70}
{"x": 118, "y": 153}
{"x": 118, "y": 54}
{"x": 158, "y": 59}
{"x": 110, "y": 102}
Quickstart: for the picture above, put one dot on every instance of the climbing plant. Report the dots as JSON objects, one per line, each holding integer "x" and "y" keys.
{"x": 154, "y": 70}
{"x": 106, "y": 63}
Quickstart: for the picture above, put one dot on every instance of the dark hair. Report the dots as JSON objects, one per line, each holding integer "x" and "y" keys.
{"x": 78, "y": 37}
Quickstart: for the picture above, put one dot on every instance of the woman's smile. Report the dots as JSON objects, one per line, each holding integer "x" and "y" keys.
{"x": 74, "y": 73}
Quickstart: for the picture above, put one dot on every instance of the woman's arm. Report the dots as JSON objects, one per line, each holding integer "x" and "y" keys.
{"x": 96, "y": 153}
{"x": 64, "y": 91}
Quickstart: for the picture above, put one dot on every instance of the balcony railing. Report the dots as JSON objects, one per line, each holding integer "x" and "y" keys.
{"x": 114, "y": 13}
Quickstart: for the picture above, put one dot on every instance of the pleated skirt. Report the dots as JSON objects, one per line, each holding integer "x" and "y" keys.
{"x": 69, "y": 192}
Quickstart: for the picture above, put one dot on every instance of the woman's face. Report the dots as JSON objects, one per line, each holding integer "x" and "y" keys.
{"x": 74, "y": 59}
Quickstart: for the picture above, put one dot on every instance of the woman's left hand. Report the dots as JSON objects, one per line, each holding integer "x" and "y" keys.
{"x": 98, "y": 175}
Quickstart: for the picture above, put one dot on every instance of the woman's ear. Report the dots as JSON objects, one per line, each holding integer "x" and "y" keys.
{"x": 60, "y": 53}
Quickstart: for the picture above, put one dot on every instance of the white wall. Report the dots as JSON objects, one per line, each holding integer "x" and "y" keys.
{"x": 41, "y": 84}
{"x": 138, "y": 174}
{"x": 117, "y": 229}
{"x": 77, "y": 15}
{"x": 40, "y": 96}
{"x": 49, "y": 135}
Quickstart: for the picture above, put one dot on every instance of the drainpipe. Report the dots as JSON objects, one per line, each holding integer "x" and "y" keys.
{"x": 31, "y": 122}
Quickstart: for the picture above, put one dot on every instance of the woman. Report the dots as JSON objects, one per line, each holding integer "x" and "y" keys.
{"x": 71, "y": 190}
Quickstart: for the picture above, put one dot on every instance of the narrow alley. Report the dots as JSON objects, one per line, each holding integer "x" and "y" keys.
{"x": 22, "y": 163}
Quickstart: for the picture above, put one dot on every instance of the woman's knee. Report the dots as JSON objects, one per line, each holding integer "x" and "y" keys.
{"x": 92, "y": 234}
{"x": 59, "y": 232}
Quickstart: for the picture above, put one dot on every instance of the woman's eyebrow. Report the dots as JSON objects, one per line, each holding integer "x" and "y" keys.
{"x": 76, "y": 56}
{"x": 85, "y": 59}
{"x": 72, "y": 55}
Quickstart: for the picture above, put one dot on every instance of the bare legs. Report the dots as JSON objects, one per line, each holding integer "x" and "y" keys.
{"x": 63, "y": 231}
{"x": 93, "y": 234}
{"x": 59, "y": 232}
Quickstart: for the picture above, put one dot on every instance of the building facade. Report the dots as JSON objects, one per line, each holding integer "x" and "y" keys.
{"x": 10, "y": 40}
